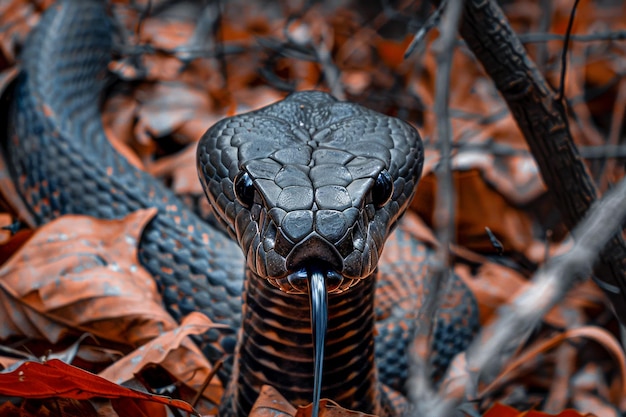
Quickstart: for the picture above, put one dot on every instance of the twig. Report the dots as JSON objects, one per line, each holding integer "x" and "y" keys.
{"x": 616, "y": 35}
{"x": 493, "y": 345}
{"x": 431, "y": 22}
{"x": 545, "y": 21}
{"x": 216, "y": 367}
{"x": 617, "y": 125}
{"x": 332, "y": 74}
{"x": 420, "y": 389}
{"x": 444, "y": 205}
{"x": 568, "y": 32}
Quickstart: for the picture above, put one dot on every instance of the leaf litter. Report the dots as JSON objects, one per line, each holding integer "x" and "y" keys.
{"x": 78, "y": 276}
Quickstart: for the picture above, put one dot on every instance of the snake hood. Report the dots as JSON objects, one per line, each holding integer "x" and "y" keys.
{"x": 310, "y": 182}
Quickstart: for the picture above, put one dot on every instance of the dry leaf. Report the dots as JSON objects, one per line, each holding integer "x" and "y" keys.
{"x": 177, "y": 354}
{"x": 501, "y": 410}
{"x": 329, "y": 408}
{"x": 271, "y": 404}
{"x": 55, "y": 378}
{"x": 82, "y": 274}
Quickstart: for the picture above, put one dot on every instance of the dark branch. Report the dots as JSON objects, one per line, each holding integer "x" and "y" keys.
{"x": 543, "y": 122}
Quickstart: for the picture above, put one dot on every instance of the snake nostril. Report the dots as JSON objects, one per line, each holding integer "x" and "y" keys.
{"x": 314, "y": 251}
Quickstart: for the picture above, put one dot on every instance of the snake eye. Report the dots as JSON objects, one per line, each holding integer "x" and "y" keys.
{"x": 382, "y": 190}
{"x": 244, "y": 189}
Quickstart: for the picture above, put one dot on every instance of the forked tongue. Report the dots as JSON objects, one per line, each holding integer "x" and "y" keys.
{"x": 318, "y": 300}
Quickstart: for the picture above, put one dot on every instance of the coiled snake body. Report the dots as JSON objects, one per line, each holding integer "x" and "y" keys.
{"x": 307, "y": 183}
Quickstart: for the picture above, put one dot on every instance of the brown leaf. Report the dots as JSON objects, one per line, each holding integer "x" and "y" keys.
{"x": 493, "y": 285}
{"x": 479, "y": 205}
{"x": 181, "y": 168}
{"x": 271, "y": 404}
{"x": 177, "y": 354}
{"x": 82, "y": 274}
{"x": 329, "y": 408}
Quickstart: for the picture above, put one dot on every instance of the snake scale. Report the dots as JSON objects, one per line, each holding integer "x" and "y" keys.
{"x": 307, "y": 183}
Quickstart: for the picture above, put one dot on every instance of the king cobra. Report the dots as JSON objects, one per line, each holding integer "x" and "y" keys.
{"x": 308, "y": 186}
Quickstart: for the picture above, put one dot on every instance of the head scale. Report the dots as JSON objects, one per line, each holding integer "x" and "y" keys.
{"x": 310, "y": 182}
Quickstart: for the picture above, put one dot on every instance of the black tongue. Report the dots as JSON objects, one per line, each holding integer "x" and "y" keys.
{"x": 318, "y": 300}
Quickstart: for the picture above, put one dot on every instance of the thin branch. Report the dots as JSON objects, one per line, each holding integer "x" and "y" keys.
{"x": 617, "y": 126}
{"x": 617, "y": 35}
{"x": 432, "y": 21}
{"x": 568, "y": 32}
{"x": 421, "y": 391}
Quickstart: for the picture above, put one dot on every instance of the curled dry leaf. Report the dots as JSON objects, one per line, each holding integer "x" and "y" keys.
{"x": 271, "y": 403}
{"x": 177, "y": 354}
{"x": 329, "y": 408}
{"x": 8, "y": 192}
{"x": 82, "y": 274}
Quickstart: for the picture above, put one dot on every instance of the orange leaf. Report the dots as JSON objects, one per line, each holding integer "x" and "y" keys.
{"x": 55, "y": 378}
{"x": 82, "y": 274}
{"x": 329, "y": 408}
{"x": 176, "y": 353}
{"x": 271, "y": 404}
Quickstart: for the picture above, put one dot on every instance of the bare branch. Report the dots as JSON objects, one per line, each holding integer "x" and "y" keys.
{"x": 544, "y": 123}
{"x": 421, "y": 391}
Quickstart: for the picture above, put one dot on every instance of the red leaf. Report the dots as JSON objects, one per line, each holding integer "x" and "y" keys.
{"x": 501, "y": 410}
{"x": 55, "y": 378}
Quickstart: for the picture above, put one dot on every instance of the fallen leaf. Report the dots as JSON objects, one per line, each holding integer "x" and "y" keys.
{"x": 501, "y": 410}
{"x": 271, "y": 403}
{"x": 55, "y": 378}
{"x": 329, "y": 408}
{"x": 79, "y": 274}
{"x": 177, "y": 354}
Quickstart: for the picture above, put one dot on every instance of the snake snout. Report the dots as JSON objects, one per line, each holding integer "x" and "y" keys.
{"x": 314, "y": 250}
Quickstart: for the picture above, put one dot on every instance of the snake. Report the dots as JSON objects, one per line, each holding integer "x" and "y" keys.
{"x": 306, "y": 185}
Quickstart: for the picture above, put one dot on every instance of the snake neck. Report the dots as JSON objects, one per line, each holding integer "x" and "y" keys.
{"x": 276, "y": 348}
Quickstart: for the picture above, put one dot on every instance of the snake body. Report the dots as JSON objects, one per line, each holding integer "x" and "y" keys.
{"x": 306, "y": 183}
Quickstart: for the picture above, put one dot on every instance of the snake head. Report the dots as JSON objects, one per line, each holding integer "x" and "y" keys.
{"x": 308, "y": 183}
